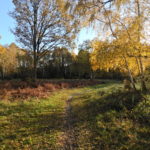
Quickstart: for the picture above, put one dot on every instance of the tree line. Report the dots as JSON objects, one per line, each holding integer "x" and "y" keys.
{"x": 92, "y": 61}
{"x": 46, "y": 30}
{"x": 59, "y": 63}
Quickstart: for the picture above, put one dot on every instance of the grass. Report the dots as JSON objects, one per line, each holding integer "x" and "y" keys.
{"x": 34, "y": 124}
{"x": 104, "y": 117}
{"x": 108, "y": 118}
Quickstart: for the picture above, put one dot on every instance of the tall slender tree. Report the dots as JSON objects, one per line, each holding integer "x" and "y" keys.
{"x": 117, "y": 15}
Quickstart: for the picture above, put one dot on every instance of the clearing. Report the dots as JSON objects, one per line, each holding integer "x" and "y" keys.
{"x": 97, "y": 117}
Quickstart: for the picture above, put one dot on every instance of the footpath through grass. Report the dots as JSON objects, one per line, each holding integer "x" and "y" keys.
{"x": 104, "y": 117}
{"x": 34, "y": 124}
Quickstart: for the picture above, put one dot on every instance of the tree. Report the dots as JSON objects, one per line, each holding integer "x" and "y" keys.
{"x": 114, "y": 16}
{"x": 61, "y": 59}
{"x": 84, "y": 67}
{"x": 83, "y": 60}
{"x": 8, "y": 60}
{"x": 86, "y": 45}
{"x": 2, "y": 52}
{"x": 40, "y": 27}
{"x": 118, "y": 54}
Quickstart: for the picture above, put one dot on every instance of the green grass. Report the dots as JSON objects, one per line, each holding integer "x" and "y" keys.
{"x": 108, "y": 118}
{"x": 104, "y": 118}
{"x": 34, "y": 124}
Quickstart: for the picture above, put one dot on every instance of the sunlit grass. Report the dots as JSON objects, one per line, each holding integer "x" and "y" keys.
{"x": 104, "y": 117}
{"x": 32, "y": 124}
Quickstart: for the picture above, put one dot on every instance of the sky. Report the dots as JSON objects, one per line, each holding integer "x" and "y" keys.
{"x": 7, "y": 23}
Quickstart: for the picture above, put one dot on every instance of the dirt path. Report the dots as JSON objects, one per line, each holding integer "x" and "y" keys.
{"x": 69, "y": 138}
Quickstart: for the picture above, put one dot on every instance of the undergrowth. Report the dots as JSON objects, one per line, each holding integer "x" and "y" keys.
{"x": 23, "y": 90}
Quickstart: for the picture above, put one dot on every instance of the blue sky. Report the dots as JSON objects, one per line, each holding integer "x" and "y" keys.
{"x": 8, "y": 23}
{"x": 85, "y": 33}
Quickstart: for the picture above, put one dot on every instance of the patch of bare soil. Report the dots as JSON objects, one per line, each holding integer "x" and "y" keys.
{"x": 68, "y": 139}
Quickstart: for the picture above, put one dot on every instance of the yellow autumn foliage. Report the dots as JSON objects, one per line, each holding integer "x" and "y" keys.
{"x": 2, "y": 50}
{"x": 108, "y": 56}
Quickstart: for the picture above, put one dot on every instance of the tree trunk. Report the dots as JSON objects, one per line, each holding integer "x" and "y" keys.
{"x": 2, "y": 73}
{"x": 63, "y": 67}
{"x": 35, "y": 42}
{"x": 35, "y": 67}
{"x": 143, "y": 84}
{"x": 130, "y": 75}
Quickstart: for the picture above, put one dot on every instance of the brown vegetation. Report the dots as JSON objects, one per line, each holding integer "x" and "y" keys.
{"x": 21, "y": 90}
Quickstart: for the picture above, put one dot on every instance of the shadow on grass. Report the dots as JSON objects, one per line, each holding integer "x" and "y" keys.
{"x": 101, "y": 114}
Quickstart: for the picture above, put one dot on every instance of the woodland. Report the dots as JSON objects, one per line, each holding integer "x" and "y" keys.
{"x": 98, "y": 98}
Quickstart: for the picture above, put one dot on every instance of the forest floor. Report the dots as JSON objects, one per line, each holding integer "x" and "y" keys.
{"x": 97, "y": 117}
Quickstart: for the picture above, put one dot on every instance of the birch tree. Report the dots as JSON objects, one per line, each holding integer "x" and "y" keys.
{"x": 110, "y": 17}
